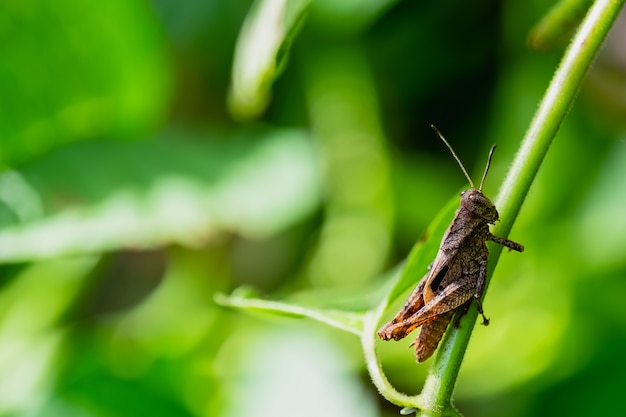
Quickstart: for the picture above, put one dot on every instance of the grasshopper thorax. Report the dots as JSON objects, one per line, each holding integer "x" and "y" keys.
{"x": 476, "y": 203}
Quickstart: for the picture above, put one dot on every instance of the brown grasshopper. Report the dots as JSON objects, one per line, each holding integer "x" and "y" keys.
{"x": 457, "y": 275}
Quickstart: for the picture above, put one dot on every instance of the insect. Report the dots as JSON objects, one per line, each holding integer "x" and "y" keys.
{"x": 457, "y": 275}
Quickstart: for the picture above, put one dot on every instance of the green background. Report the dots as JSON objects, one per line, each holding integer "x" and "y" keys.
{"x": 141, "y": 177}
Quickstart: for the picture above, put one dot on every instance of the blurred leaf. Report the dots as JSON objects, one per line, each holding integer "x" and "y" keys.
{"x": 416, "y": 265}
{"x": 31, "y": 307}
{"x": 90, "y": 383}
{"x": 152, "y": 327}
{"x": 355, "y": 239}
{"x": 349, "y": 17}
{"x": 161, "y": 350}
{"x": 261, "y": 52}
{"x": 68, "y": 73}
{"x": 602, "y": 214}
{"x": 245, "y": 299}
{"x": 276, "y": 370}
{"x": 101, "y": 196}
{"x": 558, "y": 25}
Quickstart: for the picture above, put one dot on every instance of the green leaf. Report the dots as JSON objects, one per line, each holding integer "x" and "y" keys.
{"x": 93, "y": 384}
{"x": 261, "y": 53}
{"x": 99, "y": 196}
{"x": 246, "y": 299}
{"x": 363, "y": 324}
{"x": 558, "y": 25}
{"x": 348, "y": 18}
{"x": 67, "y": 73}
{"x": 33, "y": 307}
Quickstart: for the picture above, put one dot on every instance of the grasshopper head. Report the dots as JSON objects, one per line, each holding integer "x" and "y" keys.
{"x": 473, "y": 199}
{"x": 476, "y": 202}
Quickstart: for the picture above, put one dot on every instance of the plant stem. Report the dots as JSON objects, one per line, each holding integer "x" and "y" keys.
{"x": 439, "y": 386}
{"x": 553, "y": 108}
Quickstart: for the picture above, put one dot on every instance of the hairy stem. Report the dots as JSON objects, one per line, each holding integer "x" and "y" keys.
{"x": 554, "y": 106}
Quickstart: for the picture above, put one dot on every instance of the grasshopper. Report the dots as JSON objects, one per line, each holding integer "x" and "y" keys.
{"x": 457, "y": 275}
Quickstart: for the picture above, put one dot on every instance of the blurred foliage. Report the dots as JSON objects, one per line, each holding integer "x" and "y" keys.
{"x": 135, "y": 187}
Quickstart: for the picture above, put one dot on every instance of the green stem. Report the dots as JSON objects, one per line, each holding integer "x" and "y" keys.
{"x": 439, "y": 386}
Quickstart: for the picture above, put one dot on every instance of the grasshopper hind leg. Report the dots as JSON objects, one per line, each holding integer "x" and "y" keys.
{"x": 430, "y": 335}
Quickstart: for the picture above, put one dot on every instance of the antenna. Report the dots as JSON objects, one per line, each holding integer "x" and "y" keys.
{"x": 459, "y": 161}
{"x": 493, "y": 148}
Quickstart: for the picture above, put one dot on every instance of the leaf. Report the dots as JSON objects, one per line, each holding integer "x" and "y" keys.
{"x": 34, "y": 304}
{"x": 100, "y": 381}
{"x": 351, "y": 17}
{"x": 98, "y": 196}
{"x": 343, "y": 316}
{"x": 261, "y": 52}
{"x": 558, "y": 25}
{"x": 246, "y": 299}
{"x": 363, "y": 324}
{"x": 68, "y": 74}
